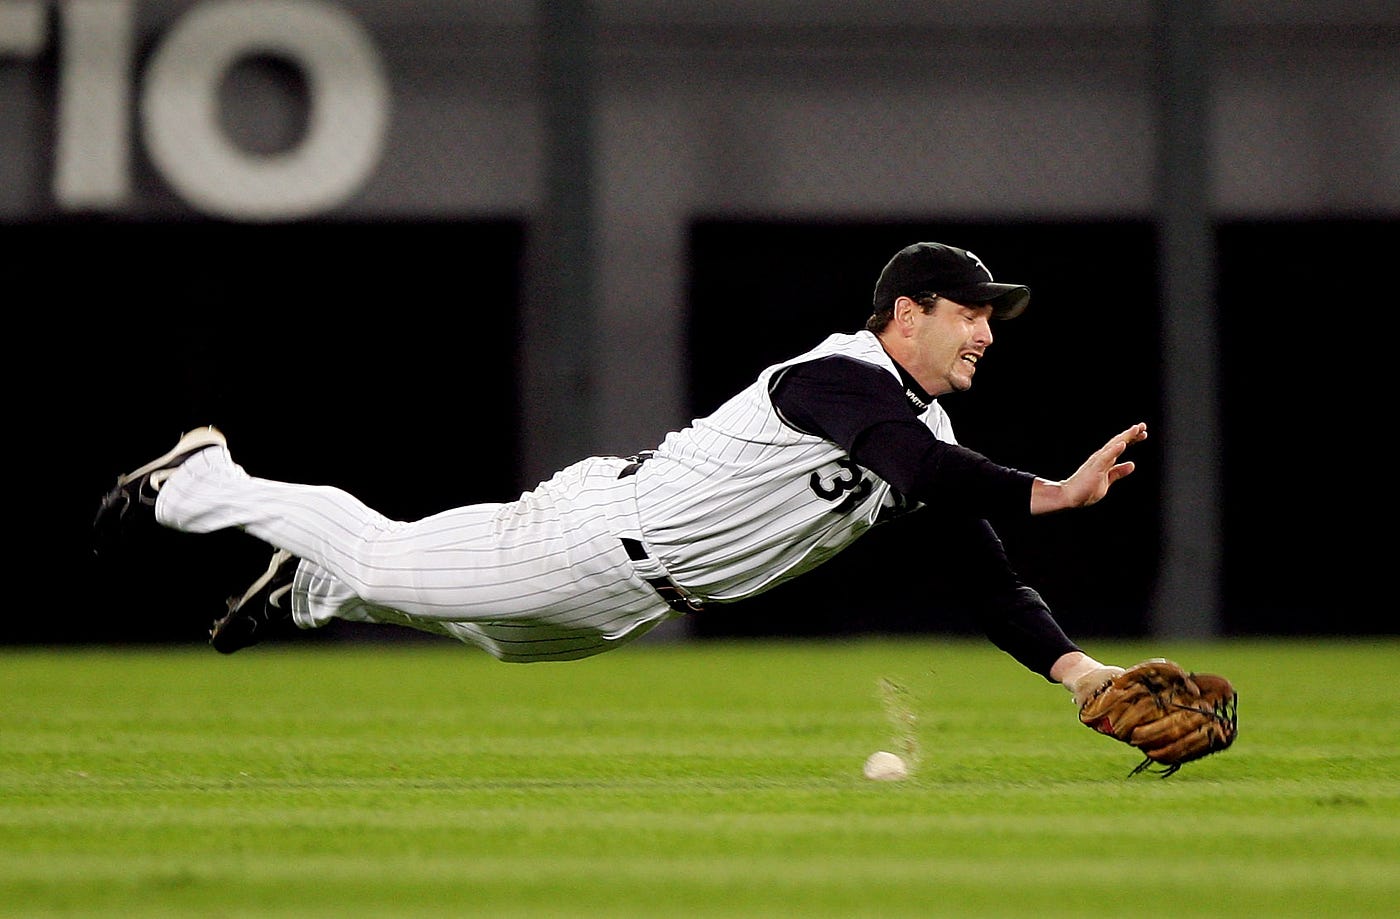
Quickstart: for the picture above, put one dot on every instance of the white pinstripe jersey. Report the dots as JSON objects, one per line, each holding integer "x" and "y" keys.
{"x": 739, "y": 501}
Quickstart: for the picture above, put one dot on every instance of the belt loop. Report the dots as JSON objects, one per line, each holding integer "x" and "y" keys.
{"x": 635, "y": 463}
{"x": 655, "y": 574}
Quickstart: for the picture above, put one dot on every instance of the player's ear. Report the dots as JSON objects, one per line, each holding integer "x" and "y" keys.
{"x": 903, "y": 313}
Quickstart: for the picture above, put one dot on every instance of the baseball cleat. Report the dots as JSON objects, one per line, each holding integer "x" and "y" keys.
{"x": 264, "y": 607}
{"x": 133, "y": 498}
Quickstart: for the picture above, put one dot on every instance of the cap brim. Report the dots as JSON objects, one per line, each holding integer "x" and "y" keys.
{"x": 1008, "y": 300}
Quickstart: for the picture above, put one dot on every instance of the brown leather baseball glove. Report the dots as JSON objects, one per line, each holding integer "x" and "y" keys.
{"x": 1170, "y": 715}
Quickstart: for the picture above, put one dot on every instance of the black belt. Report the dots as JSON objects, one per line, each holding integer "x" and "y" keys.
{"x": 669, "y": 590}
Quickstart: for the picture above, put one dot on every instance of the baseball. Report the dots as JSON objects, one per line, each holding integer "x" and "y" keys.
{"x": 883, "y": 766}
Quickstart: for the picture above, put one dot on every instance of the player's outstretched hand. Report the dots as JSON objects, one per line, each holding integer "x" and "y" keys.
{"x": 1090, "y": 481}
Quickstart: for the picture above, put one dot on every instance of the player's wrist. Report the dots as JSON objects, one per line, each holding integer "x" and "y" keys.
{"x": 1081, "y": 674}
{"x": 1047, "y": 496}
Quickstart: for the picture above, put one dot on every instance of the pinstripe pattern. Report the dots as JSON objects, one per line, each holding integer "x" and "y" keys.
{"x": 730, "y": 506}
{"x": 541, "y": 578}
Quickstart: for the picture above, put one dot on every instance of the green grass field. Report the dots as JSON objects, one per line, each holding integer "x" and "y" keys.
{"x": 687, "y": 779}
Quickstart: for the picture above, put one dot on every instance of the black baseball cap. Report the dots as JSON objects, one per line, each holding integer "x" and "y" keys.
{"x": 949, "y": 272}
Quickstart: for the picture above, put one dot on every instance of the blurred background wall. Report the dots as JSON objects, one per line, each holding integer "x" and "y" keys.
{"x": 431, "y": 250}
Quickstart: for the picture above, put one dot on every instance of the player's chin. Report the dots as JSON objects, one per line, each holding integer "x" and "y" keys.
{"x": 961, "y": 380}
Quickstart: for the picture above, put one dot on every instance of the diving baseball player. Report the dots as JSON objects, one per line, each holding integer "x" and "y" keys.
{"x": 817, "y": 450}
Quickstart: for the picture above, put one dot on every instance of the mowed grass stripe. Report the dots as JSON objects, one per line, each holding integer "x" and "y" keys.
{"x": 836, "y": 870}
{"x": 712, "y": 779}
{"x": 761, "y": 885}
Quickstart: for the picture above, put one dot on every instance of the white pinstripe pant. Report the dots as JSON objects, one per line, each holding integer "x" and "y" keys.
{"x": 543, "y": 577}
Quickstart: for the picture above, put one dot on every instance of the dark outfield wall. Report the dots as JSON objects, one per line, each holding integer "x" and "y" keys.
{"x": 1303, "y": 389}
{"x": 381, "y": 358}
{"x": 376, "y": 357}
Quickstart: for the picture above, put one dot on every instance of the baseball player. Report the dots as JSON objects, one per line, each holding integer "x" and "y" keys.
{"x": 815, "y": 452}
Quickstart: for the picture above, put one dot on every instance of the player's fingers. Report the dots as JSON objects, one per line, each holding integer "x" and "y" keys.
{"x": 1110, "y": 451}
{"x": 1128, "y": 436}
{"x": 1132, "y": 435}
{"x": 1120, "y": 470}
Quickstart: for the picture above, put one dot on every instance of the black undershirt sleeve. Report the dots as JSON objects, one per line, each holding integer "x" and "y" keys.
{"x": 863, "y": 409}
{"x": 1013, "y": 615}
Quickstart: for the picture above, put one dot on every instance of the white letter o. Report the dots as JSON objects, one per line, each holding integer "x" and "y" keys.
{"x": 349, "y": 109}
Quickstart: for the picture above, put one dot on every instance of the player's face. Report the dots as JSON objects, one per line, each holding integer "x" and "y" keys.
{"x": 950, "y": 340}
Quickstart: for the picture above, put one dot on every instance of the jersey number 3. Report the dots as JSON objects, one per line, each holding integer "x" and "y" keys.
{"x": 849, "y": 486}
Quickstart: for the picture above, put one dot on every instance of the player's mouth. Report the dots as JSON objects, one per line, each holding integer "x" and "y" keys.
{"x": 971, "y": 357}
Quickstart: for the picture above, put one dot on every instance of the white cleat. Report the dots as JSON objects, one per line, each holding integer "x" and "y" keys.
{"x": 134, "y": 495}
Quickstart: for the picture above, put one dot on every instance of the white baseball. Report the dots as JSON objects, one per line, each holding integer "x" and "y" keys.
{"x": 883, "y": 766}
